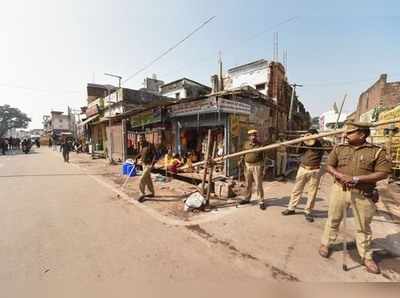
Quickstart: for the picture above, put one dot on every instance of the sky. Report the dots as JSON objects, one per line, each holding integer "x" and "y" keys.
{"x": 50, "y": 49}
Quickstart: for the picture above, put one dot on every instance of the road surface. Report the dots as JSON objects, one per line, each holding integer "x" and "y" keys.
{"x": 65, "y": 235}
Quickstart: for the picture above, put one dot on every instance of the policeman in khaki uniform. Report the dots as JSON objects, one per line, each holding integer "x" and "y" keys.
{"x": 356, "y": 168}
{"x": 281, "y": 159}
{"x": 147, "y": 158}
{"x": 308, "y": 176}
{"x": 254, "y": 169}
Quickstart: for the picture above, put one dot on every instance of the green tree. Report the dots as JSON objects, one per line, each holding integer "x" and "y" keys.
{"x": 12, "y": 118}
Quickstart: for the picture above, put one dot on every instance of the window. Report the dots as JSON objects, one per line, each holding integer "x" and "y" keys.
{"x": 177, "y": 95}
{"x": 260, "y": 86}
{"x": 60, "y": 120}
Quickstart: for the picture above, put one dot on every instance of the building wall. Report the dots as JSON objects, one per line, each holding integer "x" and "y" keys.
{"x": 116, "y": 134}
{"x": 380, "y": 93}
{"x": 185, "y": 89}
{"x": 173, "y": 93}
{"x": 250, "y": 76}
{"x": 391, "y": 94}
{"x": 60, "y": 122}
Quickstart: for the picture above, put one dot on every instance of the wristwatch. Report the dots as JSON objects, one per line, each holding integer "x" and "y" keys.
{"x": 355, "y": 180}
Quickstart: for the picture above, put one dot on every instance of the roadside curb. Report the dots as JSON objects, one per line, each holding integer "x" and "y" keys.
{"x": 150, "y": 211}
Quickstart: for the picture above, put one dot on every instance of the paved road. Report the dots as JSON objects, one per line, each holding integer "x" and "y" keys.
{"x": 65, "y": 235}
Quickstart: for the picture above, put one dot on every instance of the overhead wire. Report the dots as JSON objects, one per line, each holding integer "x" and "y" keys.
{"x": 206, "y": 59}
{"x": 170, "y": 49}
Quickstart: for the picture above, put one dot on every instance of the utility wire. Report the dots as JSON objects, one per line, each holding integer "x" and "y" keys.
{"x": 270, "y": 28}
{"x": 170, "y": 49}
{"x": 243, "y": 42}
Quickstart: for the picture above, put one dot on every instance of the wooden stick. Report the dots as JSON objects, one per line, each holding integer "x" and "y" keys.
{"x": 291, "y": 142}
{"x": 206, "y": 161}
{"x": 210, "y": 176}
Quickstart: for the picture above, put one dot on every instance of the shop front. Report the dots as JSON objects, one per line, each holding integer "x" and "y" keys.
{"x": 191, "y": 120}
{"x": 152, "y": 123}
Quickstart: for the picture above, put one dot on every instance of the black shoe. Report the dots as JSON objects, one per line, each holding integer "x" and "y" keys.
{"x": 141, "y": 198}
{"x": 244, "y": 201}
{"x": 263, "y": 206}
{"x": 288, "y": 212}
{"x": 309, "y": 217}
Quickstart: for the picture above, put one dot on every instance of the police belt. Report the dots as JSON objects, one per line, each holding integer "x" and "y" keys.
{"x": 365, "y": 189}
{"x": 310, "y": 167}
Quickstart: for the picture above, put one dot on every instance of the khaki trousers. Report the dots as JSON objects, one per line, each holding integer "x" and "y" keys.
{"x": 281, "y": 161}
{"x": 363, "y": 212}
{"x": 145, "y": 180}
{"x": 305, "y": 179}
{"x": 254, "y": 173}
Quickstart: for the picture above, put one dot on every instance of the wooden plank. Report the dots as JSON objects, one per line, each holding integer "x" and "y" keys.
{"x": 210, "y": 176}
{"x": 206, "y": 161}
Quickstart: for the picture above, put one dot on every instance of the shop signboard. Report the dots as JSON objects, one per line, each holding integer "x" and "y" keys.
{"x": 94, "y": 107}
{"x": 146, "y": 117}
{"x": 231, "y": 106}
{"x": 234, "y": 125}
{"x": 92, "y": 110}
{"x": 193, "y": 107}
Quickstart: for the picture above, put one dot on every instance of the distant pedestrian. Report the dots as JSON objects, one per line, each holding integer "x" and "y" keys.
{"x": 3, "y": 146}
{"x": 65, "y": 149}
{"x": 147, "y": 157}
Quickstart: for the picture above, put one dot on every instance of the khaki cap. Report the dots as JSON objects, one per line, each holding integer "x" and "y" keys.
{"x": 252, "y": 131}
{"x": 358, "y": 125}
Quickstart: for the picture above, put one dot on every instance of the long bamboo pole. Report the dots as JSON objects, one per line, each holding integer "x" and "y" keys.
{"x": 291, "y": 142}
{"x": 205, "y": 161}
{"x": 210, "y": 175}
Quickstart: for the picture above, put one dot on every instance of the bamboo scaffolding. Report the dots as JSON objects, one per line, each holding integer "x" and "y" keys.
{"x": 291, "y": 142}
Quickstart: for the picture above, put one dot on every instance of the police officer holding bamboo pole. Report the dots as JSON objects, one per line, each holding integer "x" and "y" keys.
{"x": 356, "y": 167}
{"x": 308, "y": 176}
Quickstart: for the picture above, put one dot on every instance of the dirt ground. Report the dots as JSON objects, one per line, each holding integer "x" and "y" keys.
{"x": 227, "y": 227}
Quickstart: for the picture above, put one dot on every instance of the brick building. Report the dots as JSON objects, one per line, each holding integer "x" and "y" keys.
{"x": 380, "y": 94}
{"x": 270, "y": 79}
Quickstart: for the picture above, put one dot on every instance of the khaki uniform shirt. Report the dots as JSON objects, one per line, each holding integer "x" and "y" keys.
{"x": 359, "y": 160}
{"x": 253, "y": 157}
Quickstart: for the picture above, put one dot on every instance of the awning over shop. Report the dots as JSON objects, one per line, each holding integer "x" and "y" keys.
{"x": 89, "y": 119}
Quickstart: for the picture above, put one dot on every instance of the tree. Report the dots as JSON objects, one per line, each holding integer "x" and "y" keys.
{"x": 12, "y": 118}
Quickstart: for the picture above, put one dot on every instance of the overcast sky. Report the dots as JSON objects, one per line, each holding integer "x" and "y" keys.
{"x": 50, "y": 49}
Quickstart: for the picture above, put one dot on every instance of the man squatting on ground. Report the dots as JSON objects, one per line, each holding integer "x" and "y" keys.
{"x": 356, "y": 167}
{"x": 308, "y": 176}
{"x": 147, "y": 157}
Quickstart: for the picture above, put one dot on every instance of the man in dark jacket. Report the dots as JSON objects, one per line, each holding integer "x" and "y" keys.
{"x": 308, "y": 176}
{"x": 65, "y": 149}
